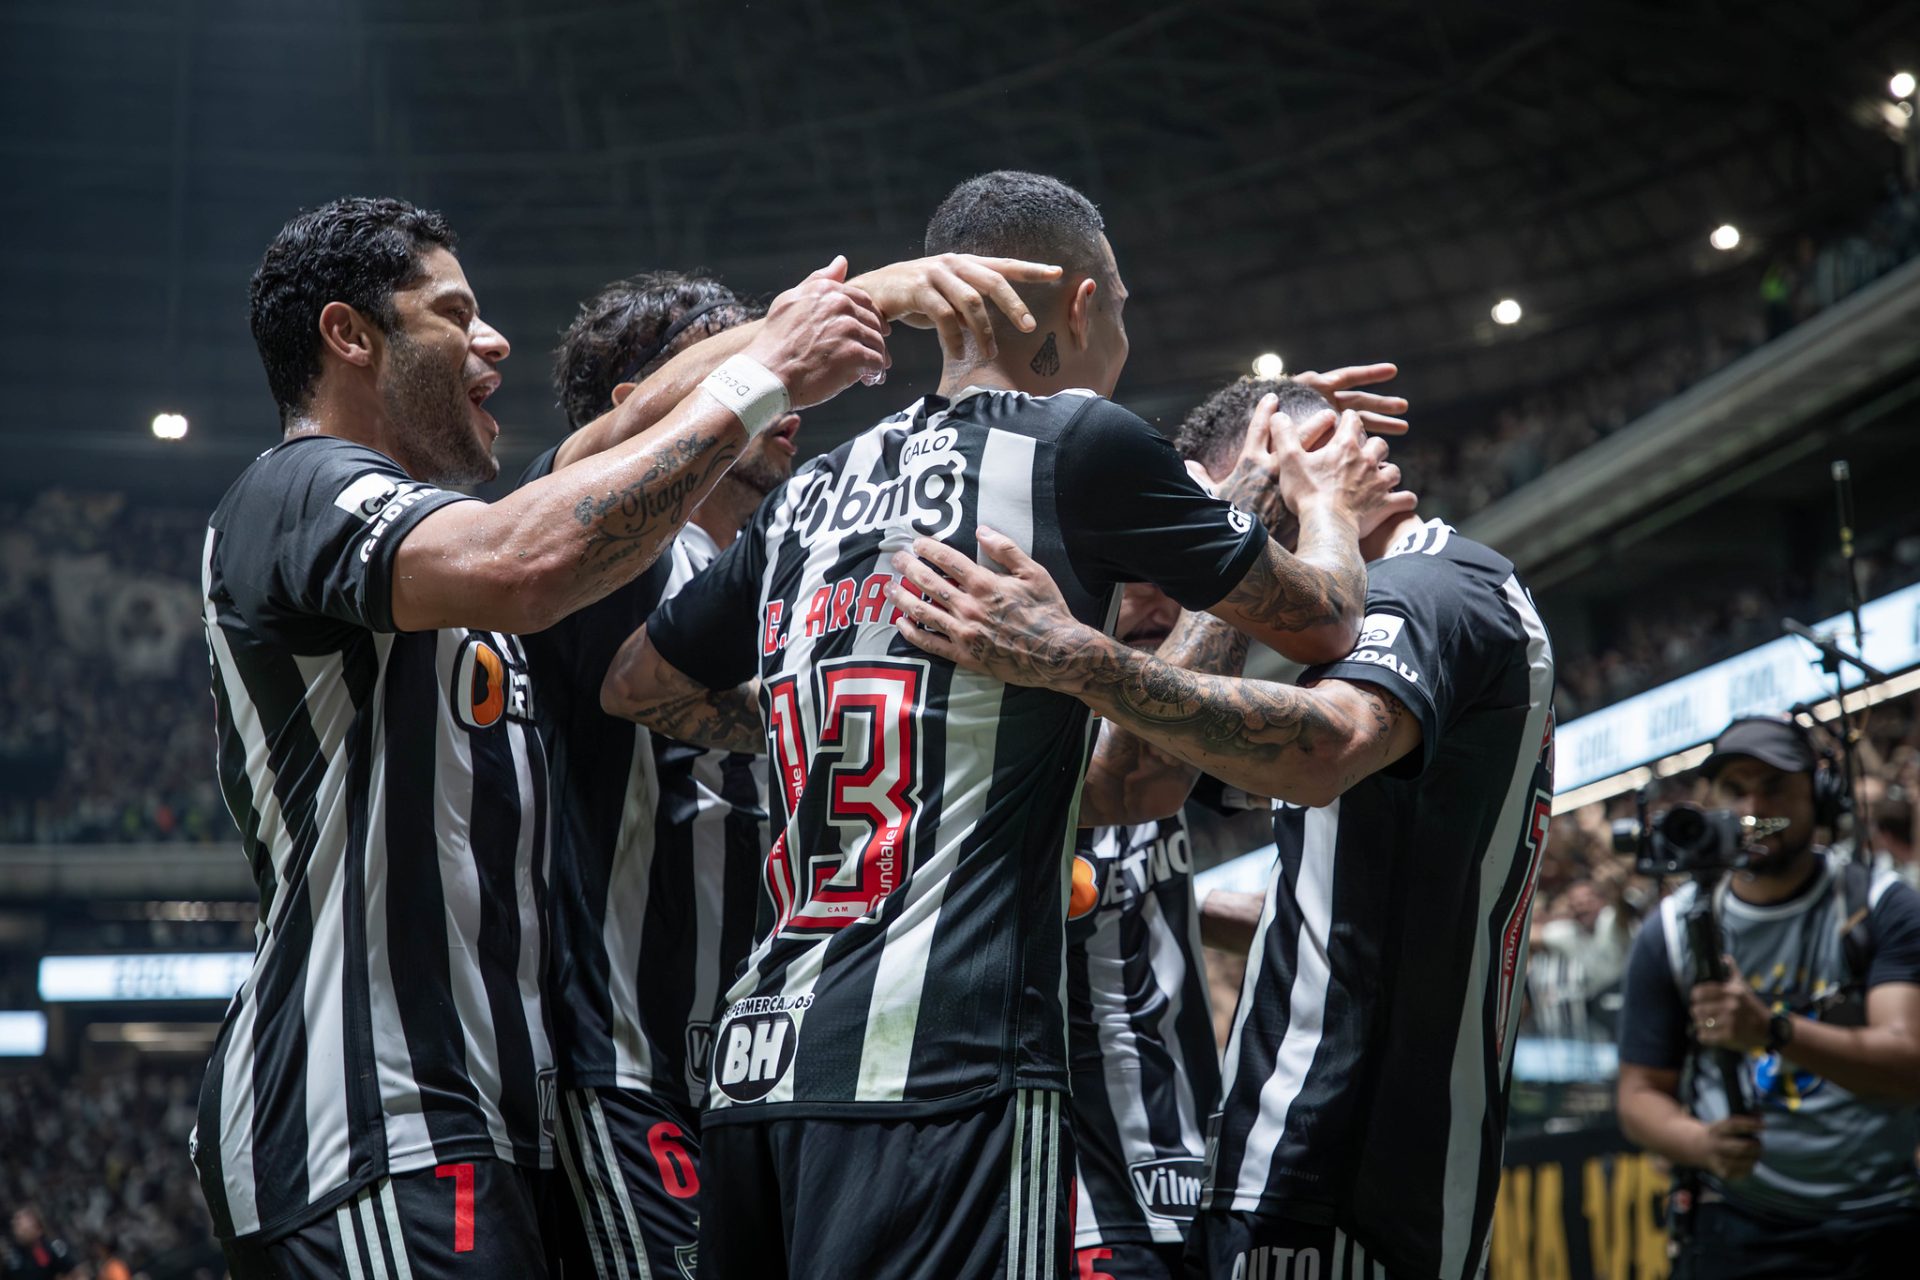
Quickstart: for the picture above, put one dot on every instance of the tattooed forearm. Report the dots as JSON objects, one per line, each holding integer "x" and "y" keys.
{"x": 641, "y": 517}
{"x": 1255, "y": 488}
{"x": 642, "y": 686}
{"x": 1269, "y": 739}
{"x": 722, "y": 719}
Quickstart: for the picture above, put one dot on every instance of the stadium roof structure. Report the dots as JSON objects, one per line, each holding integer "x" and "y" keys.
{"x": 1333, "y": 183}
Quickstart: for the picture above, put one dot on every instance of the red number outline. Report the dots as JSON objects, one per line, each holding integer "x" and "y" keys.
{"x": 872, "y": 723}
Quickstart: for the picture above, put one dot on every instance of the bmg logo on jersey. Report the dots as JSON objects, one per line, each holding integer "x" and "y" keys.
{"x": 925, "y": 495}
{"x": 1168, "y": 1188}
{"x": 1379, "y": 631}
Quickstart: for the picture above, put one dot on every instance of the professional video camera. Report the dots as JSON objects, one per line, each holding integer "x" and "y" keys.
{"x": 1687, "y": 840}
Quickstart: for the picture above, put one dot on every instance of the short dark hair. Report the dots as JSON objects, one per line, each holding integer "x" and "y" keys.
{"x": 357, "y": 250}
{"x": 617, "y": 335}
{"x": 1213, "y": 431}
{"x": 1012, "y": 214}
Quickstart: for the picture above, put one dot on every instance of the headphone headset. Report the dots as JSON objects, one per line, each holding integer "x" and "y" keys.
{"x": 1830, "y": 799}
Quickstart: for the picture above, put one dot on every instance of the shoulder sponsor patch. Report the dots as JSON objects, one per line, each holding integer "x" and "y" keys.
{"x": 1379, "y": 631}
{"x": 366, "y": 496}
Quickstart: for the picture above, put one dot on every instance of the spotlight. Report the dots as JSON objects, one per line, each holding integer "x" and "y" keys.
{"x": 1725, "y": 236}
{"x": 1901, "y": 86}
{"x": 1506, "y": 311}
{"x": 170, "y": 426}
{"x": 1269, "y": 366}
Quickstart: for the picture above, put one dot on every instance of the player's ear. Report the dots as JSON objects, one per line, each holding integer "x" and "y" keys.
{"x": 622, "y": 390}
{"x": 1080, "y": 314}
{"x": 346, "y": 334}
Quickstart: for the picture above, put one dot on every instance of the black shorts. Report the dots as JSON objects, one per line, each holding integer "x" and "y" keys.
{"x": 1128, "y": 1260}
{"x": 628, "y": 1183}
{"x": 475, "y": 1220}
{"x": 1729, "y": 1242}
{"x": 1248, "y": 1247}
{"x": 981, "y": 1192}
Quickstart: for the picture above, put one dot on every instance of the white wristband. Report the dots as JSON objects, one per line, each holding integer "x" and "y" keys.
{"x": 748, "y": 388}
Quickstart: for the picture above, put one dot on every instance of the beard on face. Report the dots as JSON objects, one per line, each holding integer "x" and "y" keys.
{"x": 426, "y": 397}
{"x": 762, "y": 467}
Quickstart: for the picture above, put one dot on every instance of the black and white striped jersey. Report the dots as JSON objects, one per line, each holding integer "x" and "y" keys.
{"x": 657, "y": 849}
{"x": 1367, "y": 1072}
{"x": 1146, "y": 1074}
{"x": 913, "y": 951}
{"x": 390, "y": 791}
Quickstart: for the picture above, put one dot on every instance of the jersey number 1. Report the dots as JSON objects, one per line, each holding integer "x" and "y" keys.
{"x": 869, "y": 742}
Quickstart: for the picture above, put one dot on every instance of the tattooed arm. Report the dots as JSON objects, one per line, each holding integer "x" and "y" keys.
{"x": 1128, "y": 781}
{"x": 1306, "y": 746}
{"x": 950, "y": 292}
{"x": 644, "y": 687}
{"x": 1307, "y": 603}
{"x": 549, "y": 548}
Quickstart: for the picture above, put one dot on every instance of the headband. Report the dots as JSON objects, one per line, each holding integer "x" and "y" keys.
{"x": 674, "y": 330}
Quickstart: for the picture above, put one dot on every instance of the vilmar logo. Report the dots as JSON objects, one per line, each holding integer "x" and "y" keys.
{"x": 1169, "y": 1188}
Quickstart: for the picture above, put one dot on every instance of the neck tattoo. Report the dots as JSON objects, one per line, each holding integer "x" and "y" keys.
{"x": 1047, "y": 362}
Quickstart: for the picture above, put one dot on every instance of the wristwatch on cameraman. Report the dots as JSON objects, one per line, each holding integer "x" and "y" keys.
{"x": 1779, "y": 1031}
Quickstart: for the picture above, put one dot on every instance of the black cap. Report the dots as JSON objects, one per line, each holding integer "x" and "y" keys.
{"x": 1779, "y": 742}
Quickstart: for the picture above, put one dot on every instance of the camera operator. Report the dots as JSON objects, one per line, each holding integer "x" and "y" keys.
{"x": 1822, "y": 1002}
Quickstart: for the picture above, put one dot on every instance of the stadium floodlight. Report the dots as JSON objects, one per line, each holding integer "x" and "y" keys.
{"x": 1268, "y": 365}
{"x": 1506, "y": 311}
{"x": 1725, "y": 236}
{"x": 170, "y": 426}
{"x": 1902, "y": 84}
{"x": 23, "y": 1033}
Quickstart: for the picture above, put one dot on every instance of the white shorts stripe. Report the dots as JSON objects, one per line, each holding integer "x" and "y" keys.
{"x": 1014, "y": 1184}
{"x": 595, "y": 1214}
{"x": 610, "y": 1160}
{"x": 402, "y": 1268}
{"x": 376, "y": 1256}
{"x": 349, "y": 1242}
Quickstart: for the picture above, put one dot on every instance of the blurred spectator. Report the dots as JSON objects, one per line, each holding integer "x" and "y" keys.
{"x": 34, "y": 1254}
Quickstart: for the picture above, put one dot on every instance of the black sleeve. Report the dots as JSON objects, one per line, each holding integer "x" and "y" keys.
{"x": 1129, "y": 512}
{"x": 1896, "y": 937}
{"x": 1419, "y": 642}
{"x": 540, "y": 468}
{"x": 313, "y": 529}
{"x": 1653, "y": 1022}
{"x": 710, "y": 629}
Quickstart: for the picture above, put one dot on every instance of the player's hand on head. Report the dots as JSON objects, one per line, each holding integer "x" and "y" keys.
{"x": 1014, "y": 626}
{"x": 1348, "y": 470}
{"x": 1344, "y": 388}
{"x": 956, "y": 294}
{"x": 1265, "y": 479}
{"x": 822, "y": 335}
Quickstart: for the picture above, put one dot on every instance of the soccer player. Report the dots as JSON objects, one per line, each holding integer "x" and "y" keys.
{"x": 888, "y": 1071}
{"x": 381, "y": 1093}
{"x": 657, "y": 846}
{"x": 1366, "y": 1077}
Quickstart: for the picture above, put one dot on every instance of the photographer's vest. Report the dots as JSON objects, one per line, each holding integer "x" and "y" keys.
{"x": 1823, "y": 1150}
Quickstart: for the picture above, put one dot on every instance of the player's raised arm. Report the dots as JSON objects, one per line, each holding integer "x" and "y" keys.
{"x": 1305, "y": 746}
{"x": 550, "y": 547}
{"x": 950, "y": 292}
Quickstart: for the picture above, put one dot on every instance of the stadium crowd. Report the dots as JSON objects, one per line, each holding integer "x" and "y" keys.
{"x": 98, "y": 1164}
{"x": 1463, "y": 472}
